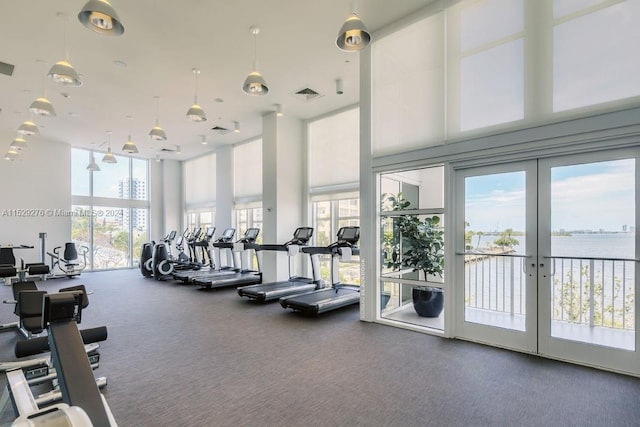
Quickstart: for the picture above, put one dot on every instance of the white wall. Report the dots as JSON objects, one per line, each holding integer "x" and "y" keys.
{"x": 282, "y": 202}
{"x": 40, "y": 184}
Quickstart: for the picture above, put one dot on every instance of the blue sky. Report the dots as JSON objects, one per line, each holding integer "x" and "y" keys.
{"x": 587, "y": 196}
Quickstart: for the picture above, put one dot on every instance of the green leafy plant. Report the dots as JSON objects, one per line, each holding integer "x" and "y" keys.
{"x": 420, "y": 243}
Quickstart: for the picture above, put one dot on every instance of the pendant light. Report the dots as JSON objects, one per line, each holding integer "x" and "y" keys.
{"x": 11, "y": 155}
{"x": 19, "y": 144}
{"x": 99, "y": 16}
{"x": 41, "y": 106}
{"x": 130, "y": 146}
{"x": 109, "y": 157}
{"x": 157, "y": 133}
{"x": 255, "y": 84}
{"x": 28, "y": 128}
{"x": 353, "y": 36}
{"x": 93, "y": 166}
{"x": 63, "y": 72}
{"x": 196, "y": 113}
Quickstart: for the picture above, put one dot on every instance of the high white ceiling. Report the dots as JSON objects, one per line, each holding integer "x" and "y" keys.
{"x": 163, "y": 41}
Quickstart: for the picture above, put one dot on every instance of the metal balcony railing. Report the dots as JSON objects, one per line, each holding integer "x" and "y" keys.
{"x": 585, "y": 291}
{"x": 594, "y": 291}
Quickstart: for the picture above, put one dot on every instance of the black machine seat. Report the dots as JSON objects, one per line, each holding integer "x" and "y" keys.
{"x": 82, "y": 290}
{"x": 29, "y": 303}
{"x": 7, "y": 262}
{"x": 29, "y": 309}
{"x": 18, "y": 287}
{"x": 70, "y": 254}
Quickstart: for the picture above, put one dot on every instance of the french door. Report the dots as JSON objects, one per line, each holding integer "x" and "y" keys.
{"x": 548, "y": 262}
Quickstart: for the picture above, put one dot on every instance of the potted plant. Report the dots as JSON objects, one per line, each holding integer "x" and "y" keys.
{"x": 420, "y": 246}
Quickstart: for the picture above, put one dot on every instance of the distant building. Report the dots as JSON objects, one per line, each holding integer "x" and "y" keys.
{"x": 136, "y": 191}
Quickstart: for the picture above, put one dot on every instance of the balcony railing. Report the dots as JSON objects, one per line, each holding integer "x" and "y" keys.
{"x": 594, "y": 291}
{"x": 495, "y": 282}
{"x": 585, "y": 291}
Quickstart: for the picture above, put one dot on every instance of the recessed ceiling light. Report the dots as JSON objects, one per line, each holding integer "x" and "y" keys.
{"x": 219, "y": 100}
{"x": 65, "y": 95}
{"x": 120, "y": 64}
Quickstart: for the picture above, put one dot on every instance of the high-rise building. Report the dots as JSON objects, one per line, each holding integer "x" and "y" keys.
{"x": 136, "y": 191}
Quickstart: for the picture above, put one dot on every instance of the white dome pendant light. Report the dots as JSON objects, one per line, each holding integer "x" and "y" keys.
{"x": 63, "y": 72}
{"x": 99, "y": 16}
{"x": 130, "y": 146}
{"x": 255, "y": 84}
{"x": 353, "y": 35}
{"x": 157, "y": 133}
{"x": 109, "y": 157}
{"x": 41, "y": 106}
{"x": 195, "y": 112}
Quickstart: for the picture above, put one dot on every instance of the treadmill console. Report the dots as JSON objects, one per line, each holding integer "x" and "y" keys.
{"x": 301, "y": 236}
{"x": 251, "y": 235}
{"x": 349, "y": 235}
{"x": 227, "y": 235}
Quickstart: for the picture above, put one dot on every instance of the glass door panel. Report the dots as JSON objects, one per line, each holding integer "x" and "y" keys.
{"x": 588, "y": 236}
{"x": 498, "y": 218}
{"x": 549, "y": 257}
{"x": 495, "y": 238}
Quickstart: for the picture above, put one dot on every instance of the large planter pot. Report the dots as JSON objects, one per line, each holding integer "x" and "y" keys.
{"x": 428, "y": 301}
{"x": 384, "y": 299}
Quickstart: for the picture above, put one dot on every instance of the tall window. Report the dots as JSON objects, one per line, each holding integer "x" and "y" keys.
{"x": 593, "y": 43}
{"x": 200, "y": 191}
{"x": 327, "y": 218}
{"x": 412, "y": 218}
{"x": 488, "y": 65}
{"x": 334, "y": 143}
{"x": 247, "y": 187}
{"x": 248, "y": 218}
{"x": 110, "y": 209}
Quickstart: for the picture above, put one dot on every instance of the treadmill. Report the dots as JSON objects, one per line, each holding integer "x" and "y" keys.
{"x": 271, "y": 291}
{"x": 339, "y": 294}
{"x": 215, "y": 267}
{"x": 197, "y": 263}
{"x": 243, "y": 275}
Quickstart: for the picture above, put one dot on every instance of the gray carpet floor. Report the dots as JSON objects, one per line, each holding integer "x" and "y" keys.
{"x": 179, "y": 356}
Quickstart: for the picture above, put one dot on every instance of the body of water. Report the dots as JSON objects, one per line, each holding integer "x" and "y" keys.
{"x": 596, "y": 245}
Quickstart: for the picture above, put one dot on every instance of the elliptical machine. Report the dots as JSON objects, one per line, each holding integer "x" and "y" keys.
{"x": 146, "y": 255}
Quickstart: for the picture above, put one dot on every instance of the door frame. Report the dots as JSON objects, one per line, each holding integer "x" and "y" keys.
{"x": 537, "y": 339}
{"x": 627, "y": 361}
{"x": 512, "y": 339}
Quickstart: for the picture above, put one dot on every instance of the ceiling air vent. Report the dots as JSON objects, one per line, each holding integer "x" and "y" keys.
{"x": 220, "y": 130}
{"x": 6, "y": 69}
{"x": 167, "y": 150}
{"x": 307, "y": 94}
